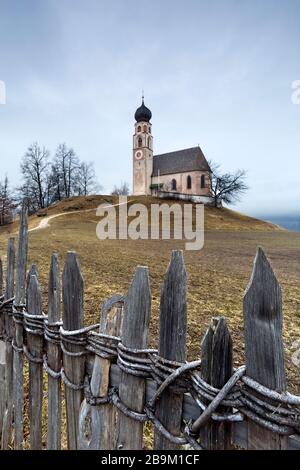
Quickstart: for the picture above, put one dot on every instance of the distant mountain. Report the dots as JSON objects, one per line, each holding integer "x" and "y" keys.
{"x": 290, "y": 222}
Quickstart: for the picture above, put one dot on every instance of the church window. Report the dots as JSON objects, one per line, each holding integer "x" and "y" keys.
{"x": 149, "y": 142}
{"x": 174, "y": 185}
{"x": 202, "y": 181}
{"x": 189, "y": 182}
{"x": 139, "y": 129}
{"x": 145, "y": 128}
{"x": 140, "y": 142}
{"x": 149, "y": 130}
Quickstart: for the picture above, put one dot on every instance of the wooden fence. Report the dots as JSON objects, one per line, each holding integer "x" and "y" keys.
{"x": 114, "y": 384}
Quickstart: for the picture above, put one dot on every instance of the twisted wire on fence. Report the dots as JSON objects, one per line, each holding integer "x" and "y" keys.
{"x": 278, "y": 412}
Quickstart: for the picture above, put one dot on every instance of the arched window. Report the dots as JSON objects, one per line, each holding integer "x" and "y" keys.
{"x": 189, "y": 182}
{"x": 145, "y": 128}
{"x": 139, "y": 129}
{"x": 149, "y": 142}
{"x": 174, "y": 185}
{"x": 149, "y": 130}
{"x": 202, "y": 181}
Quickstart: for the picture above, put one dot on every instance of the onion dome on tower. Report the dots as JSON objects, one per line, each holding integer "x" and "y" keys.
{"x": 143, "y": 113}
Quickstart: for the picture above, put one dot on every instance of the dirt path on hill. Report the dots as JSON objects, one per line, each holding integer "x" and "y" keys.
{"x": 44, "y": 223}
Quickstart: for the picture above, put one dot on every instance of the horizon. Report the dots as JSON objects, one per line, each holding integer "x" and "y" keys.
{"x": 218, "y": 76}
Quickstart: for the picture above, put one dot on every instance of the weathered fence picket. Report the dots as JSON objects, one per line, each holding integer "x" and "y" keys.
{"x": 263, "y": 343}
{"x": 172, "y": 346}
{"x": 114, "y": 383}
{"x": 134, "y": 338}
{"x": 2, "y": 354}
{"x": 34, "y": 320}
{"x": 216, "y": 370}
{"x": 73, "y": 352}
{"x": 10, "y": 270}
{"x": 1, "y": 278}
{"x": 8, "y": 325}
{"x": 98, "y": 422}
{"x": 54, "y": 356}
{"x": 33, "y": 271}
{"x": 18, "y": 307}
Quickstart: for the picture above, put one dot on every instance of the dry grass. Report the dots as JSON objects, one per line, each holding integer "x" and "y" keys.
{"x": 218, "y": 274}
{"x": 215, "y": 219}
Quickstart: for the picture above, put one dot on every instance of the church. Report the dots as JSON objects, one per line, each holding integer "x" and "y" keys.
{"x": 183, "y": 174}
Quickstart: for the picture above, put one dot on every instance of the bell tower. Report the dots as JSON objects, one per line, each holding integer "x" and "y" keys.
{"x": 142, "y": 151}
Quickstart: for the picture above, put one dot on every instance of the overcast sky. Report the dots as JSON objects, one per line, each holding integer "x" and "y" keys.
{"x": 217, "y": 73}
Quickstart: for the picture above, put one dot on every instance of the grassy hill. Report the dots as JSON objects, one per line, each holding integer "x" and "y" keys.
{"x": 215, "y": 219}
{"x": 218, "y": 274}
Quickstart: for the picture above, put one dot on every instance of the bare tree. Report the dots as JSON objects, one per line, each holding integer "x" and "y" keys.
{"x": 46, "y": 182}
{"x": 226, "y": 187}
{"x": 86, "y": 179}
{"x": 54, "y": 185}
{"x": 35, "y": 171}
{"x": 7, "y": 203}
{"x": 122, "y": 190}
{"x": 66, "y": 167}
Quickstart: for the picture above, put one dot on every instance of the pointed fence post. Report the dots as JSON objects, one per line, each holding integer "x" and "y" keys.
{"x": 263, "y": 343}
{"x": 54, "y": 357}
{"x": 22, "y": 258}
{"x": 98, "y": 422}
{"x": 134, "y": 336}
{"x": 10, "y": 269}
{"x": 19, "y": 304}
{"x": 73, "y": 357}
{"x": 34, "y": 333}
{"x": 33, "y": 271}
{"x": 8, "y": 326}
{"x": 172, "y": 345}
{"x": 216, "y": 369}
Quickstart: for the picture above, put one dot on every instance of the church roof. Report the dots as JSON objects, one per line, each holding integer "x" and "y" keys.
{"x": 143, "y": 113}
{"x": 181, "y": 161}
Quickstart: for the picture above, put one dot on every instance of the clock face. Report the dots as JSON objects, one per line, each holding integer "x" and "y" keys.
{"x": 138, "y": 155}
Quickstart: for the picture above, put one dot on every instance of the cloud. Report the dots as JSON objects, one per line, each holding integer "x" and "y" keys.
{"x": 217, "y": 74}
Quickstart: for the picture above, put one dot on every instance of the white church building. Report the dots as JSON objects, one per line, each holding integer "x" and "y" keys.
{"x": 183, "y": 174}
